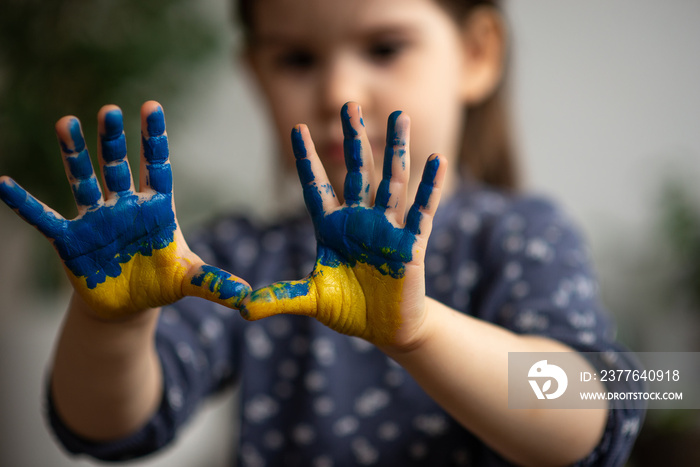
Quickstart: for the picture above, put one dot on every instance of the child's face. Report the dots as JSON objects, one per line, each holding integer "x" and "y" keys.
{"x": 312, "y": 56}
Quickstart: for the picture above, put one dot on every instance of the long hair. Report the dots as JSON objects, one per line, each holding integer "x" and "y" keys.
{"x": 487, "y": 152}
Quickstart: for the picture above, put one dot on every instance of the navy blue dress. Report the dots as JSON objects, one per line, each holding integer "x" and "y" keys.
{"x": 312, "y": 397}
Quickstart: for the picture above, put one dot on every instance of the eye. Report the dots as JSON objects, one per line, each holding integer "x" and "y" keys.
{"x": 386, "y": 51}
{"x": 296, "y": 60}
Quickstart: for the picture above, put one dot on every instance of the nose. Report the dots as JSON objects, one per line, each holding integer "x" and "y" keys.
{"x": 343, "y": 80}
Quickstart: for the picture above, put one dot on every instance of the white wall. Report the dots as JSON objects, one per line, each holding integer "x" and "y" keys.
{"x": 608, "y": 112}
{"x": 607, "y": 101}
{"x": 606, "y": 105}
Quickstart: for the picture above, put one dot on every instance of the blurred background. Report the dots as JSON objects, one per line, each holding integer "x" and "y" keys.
{"x": 606, "y": 111}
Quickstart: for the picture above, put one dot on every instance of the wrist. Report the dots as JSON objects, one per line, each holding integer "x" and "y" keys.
{"x": 420, "y": 336}
{"x": 105, "y": 378}
{"x": 79, "y": 306}
{"x": 84, "y": 328}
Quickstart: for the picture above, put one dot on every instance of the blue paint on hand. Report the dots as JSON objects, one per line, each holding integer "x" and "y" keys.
{"x": 113, "y": 144}
{"x": 118, "y": 177}
{"x": 364, "y": 234}
{"x": 113, "y": 140}
{"x": 352, "y": 146}
{"x": 87, "y": 192}
{"x": 77, "y": 136}
{"x": 393, "y": 139}
{"x": 357, "y": 284}
{"x": 80, "y": 166}
{"x": 155, "y": 144}
{"x": 95, "y": 245}
{"x": 123, "y": 238}
{"x": 155, "y": 123}
{"x": 156, "y": 152}
{"x": 312, "y": 195}
{"x": 155, "y": 149}
{"x": 292, "y": 290}
{"x": 357, "y": 233}
{"x": 277, "y": 292}
{"x": 220, "y": 282}
{"x": 348, "y": 130}
{"x": 32, "y": 210}
{"x": 298, "y": 146}
{"x": 113, "y": 124}
{"x": 160, "y": 177}
{"x": 425, "y": 189}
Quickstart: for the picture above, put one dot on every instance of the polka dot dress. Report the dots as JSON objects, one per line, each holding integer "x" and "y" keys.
{"x": 313, "y": 397}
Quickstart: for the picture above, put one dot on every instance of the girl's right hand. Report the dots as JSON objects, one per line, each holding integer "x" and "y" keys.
{"x": 124, "y": 252}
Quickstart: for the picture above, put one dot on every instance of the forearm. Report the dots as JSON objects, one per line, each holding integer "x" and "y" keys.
{"x": 106, "y": 379}
{"x": 462, "y": 363}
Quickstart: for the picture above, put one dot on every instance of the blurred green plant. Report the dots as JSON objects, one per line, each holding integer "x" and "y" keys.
{"x": 680, "y": 223}
{"x": 71, "y": 57}
{"x": 672, "y": 289}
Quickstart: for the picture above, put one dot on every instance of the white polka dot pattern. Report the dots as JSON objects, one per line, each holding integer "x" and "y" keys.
{"x": 312, "y": 397}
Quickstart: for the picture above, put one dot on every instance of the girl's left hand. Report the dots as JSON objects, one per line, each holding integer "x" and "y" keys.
{"x": 368, "y": 280}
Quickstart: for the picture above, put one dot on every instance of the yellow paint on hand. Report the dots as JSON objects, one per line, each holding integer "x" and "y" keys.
{"x": 357, "y": 301}
{"x": 145, "y": 282}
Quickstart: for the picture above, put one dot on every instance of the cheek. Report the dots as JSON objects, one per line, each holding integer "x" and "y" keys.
{"x": 437, "y": 130}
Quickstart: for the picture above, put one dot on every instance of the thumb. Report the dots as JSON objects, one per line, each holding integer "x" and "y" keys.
{"x": 289, "y": 297}
{"x": 216, "y": 285}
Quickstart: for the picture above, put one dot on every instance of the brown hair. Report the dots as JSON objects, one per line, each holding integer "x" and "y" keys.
{"x": 487, "y": 152}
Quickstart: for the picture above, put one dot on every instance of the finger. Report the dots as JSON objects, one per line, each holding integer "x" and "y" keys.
{"x": 318, "y": 192}
{"x": 358, "y": 157}
{"x": 420, "y": 217}
{"x": 76, "y": 160}
{"x": 156, "y": 172}
{"x": 112, "y": 152}
{"x": 391, "y": 194}
{"x": 216, "y": 285}
{"x": 290, "y": 297}
{"x": 46, "y": 220}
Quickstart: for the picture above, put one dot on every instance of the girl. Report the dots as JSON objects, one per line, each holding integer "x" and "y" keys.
{"x": 406, "y": 361}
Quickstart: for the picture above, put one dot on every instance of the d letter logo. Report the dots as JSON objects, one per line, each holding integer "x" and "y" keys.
{"x": 546, "y": 372}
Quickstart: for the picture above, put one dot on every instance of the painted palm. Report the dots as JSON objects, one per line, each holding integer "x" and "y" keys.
{"x": 124, "y": 252}
{"x": 368, "y": 278}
